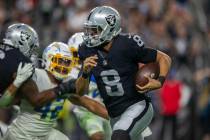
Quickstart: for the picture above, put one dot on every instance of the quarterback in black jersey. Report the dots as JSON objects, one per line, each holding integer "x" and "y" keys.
{"x": 113, "y": 60}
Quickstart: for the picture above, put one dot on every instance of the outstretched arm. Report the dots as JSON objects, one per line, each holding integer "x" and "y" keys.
{"x": 30, "y": 91}
{"x": 91, "y": 104}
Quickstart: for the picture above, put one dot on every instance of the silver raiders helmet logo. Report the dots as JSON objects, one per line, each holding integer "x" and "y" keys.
{"x": 111, "y": 20}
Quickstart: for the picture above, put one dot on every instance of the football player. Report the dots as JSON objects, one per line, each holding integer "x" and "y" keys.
{"x": 96, "y": 127}
{"x": 17, "y": 46}
{"x": 113, "y": 59}
{"x": 36, "y": 121}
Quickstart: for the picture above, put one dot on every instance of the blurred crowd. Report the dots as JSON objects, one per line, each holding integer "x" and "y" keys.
{"x": 181, "y": 28}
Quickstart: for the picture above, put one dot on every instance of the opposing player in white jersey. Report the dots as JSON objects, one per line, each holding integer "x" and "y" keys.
{"x": 37, "y": 122}
{"x": 96, "y": 127}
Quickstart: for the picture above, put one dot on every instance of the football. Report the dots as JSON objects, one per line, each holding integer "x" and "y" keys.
{"x": 150, "y": 69}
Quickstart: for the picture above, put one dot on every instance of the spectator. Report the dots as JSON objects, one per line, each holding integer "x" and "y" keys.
{"x": 170, "y": 96}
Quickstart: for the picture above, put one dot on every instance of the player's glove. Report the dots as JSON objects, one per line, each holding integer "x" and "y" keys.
{"x": 23, "y": 73}
{"x": 64, "y": 90}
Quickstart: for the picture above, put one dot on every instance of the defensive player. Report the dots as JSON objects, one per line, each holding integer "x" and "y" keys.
{"x": 96, "y": 127}
{"x": 17, "y": 46}
{"x": 113, "y": 59}
{"x": 37, "y": 121}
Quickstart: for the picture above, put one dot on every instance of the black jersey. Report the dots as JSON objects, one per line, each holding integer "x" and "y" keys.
{"x": 9, "y": 60}
{"x": 115, "y": 71}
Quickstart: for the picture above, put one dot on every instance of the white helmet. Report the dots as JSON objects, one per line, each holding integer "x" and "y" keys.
{"x": 57, "y": 59}
{"x": 73, "y": 44}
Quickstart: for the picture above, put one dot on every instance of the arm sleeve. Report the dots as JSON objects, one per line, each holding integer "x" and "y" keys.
{"x": 139, "y": 52}
{"x": 6, "y": 100}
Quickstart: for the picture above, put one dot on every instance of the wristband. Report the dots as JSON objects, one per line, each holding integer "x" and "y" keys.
{"x": 65, "y": 88}
{"x": 161, "y": 79}
{"x": 85, "y": 75}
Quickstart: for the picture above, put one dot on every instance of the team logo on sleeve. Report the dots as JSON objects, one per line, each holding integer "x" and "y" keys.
{"x": 111, "y": 20}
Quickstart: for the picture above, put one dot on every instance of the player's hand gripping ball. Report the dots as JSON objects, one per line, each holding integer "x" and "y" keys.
{"x": 151, "y": 70}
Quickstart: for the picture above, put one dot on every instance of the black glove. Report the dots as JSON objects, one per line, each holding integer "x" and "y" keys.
{"x": 66, "y": 88}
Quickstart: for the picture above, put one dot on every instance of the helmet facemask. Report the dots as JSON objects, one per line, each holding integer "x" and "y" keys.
{"x": 60, "y": 66}
{"x": 74, "y": 42}
{"x": 28, "y": 50}
{"x": 75, "y": 59}
{"x": 57, "y": 59}
{"x": 93, "y": 35}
